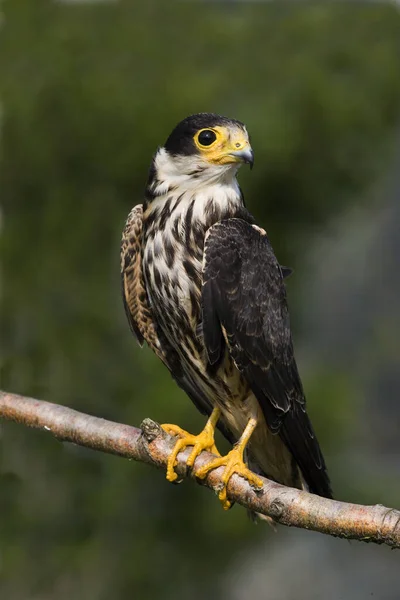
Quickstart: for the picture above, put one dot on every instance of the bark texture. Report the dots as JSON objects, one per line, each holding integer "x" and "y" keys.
{"x": 150, "y": 444}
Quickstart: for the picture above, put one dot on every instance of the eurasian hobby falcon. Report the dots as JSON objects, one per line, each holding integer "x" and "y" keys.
{"x": 202, "y": 286}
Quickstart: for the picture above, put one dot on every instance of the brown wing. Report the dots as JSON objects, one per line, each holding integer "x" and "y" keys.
{"x": 133, "y": 291}
{"x": 140, "y": 317}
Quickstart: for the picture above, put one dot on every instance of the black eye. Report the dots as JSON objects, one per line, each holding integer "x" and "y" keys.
{"x": 207, "y": 137}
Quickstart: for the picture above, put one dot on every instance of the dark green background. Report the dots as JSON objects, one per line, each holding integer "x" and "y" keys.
{"x": 88, "y": 93}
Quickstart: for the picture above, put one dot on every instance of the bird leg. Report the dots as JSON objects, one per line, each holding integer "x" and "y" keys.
{"x": 203, "y": 441}
{"x": 233, "y": 463}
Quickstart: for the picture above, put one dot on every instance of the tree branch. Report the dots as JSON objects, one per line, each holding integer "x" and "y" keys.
{"x": 152, "y": 445}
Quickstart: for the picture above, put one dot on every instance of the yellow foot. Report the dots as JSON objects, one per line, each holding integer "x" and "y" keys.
{"x": 233, "y": 463}
{"x": 203, "y": 441}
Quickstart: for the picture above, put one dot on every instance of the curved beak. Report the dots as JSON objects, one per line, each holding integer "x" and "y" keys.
{"x": 246, "y": 156}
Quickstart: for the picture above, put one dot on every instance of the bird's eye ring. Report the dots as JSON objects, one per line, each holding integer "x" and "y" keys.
{"x": 206, "y": 137}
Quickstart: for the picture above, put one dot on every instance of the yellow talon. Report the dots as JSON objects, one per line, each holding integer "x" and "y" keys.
{"x": 203, "y": 441}
{"x": 174, "y": 430}
{"x": 233, "y": 463}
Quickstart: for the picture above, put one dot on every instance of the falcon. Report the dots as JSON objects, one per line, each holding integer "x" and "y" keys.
{"x": 202, "y": 287}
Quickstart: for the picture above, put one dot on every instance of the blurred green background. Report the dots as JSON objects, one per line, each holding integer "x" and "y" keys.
{"x": 88, "y": 91}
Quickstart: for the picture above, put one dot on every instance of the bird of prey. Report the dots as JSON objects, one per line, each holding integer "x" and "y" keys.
{"x": 202, "y": 286}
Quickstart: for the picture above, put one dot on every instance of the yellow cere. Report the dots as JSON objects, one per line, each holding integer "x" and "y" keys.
{"x": 227, "y": 140}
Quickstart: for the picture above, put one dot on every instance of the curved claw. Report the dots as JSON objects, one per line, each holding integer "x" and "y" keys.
{"x": 186, "y": 439}
{"x": 233, "y": 463}
{"x": 203, "y": 441}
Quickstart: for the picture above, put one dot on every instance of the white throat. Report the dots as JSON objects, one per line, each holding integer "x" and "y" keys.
{"x": 188, "y": 183}
{"x": 191, "y": 173}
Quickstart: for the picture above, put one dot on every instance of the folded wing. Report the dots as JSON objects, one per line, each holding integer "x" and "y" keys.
{"x": 244, "y": 308}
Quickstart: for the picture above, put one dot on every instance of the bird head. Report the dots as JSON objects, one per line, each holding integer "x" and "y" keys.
{"x": 202, "y": 150}
{"x": 210, "y": 141}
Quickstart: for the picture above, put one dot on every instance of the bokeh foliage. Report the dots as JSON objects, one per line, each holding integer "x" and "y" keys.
{"x": 88, "y": 93}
